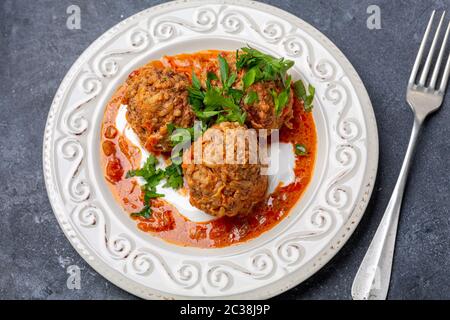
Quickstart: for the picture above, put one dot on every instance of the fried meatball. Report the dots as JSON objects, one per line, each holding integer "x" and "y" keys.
{"x": 157, "y": 96}
{"x": 261, "y": 113}
{"x": 220, "y": 188}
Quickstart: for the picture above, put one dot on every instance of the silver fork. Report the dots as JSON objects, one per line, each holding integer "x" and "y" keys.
{"x": 372, "y": 279}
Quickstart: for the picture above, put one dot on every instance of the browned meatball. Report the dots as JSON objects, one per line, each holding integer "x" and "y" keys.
{"x": 217, "y": 187}
{"x": 157, "y": 96}
{"x": 261, "y": 114}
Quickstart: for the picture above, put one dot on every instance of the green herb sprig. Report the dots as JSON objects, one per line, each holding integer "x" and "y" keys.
{"x": 300, "y": 150}
{"x": 281, "y": 99}
{"x": 251, "y": 97}
{"x": 217, "y": 104}
{"x": 174, "y": 176}
{"x": 264, "y": 67}
{"x": 153, "y": 176}
{"x": 307, "y": 97}
{"x": 261, "y": 67}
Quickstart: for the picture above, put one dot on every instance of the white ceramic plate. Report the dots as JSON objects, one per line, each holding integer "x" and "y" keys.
{"x": 277, "y": 260}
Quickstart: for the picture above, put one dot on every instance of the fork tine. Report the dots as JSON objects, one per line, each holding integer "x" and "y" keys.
{"x": 426, "y": 68}
{"x": 439, "y": 59}
{"x": 445, "y": 76}
{"x": 412, "y": 78}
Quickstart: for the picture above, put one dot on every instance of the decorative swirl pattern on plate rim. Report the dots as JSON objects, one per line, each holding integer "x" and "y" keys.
{"x": 262, "y": 263}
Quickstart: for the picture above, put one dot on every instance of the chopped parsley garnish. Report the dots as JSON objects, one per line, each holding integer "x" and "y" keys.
{"x": 307, "y": 97}
{"x": 301, "y": 150}
{"x": 153, "y": 176}
{"x": 146, "y": 212}
{"x": 210, "y": 77}
{"x": 261, "y": 66}
{"x": 264, "y": 67}
{"x": 280, "y": 100}
{"x": 249, "y": 78}
{"x": 148, "y": 171}
{"x": 174, "y": 176}
{"x": 196, "y": 81}
{"x": 251, "y": 97}
{"x": 217, "y": 104}
{"x": 224, "y": 70}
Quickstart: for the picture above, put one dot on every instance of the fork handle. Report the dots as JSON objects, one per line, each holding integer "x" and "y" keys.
{"x": 372, "y": 279}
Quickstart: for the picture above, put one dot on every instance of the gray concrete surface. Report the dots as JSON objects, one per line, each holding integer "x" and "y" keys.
{"x": 36, "y": 50}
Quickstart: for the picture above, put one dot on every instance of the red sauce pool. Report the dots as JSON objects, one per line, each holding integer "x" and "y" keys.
{"x": 118, "y": 156}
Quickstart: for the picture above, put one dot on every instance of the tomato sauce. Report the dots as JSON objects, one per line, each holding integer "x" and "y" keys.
{"x": 118, "y": 156}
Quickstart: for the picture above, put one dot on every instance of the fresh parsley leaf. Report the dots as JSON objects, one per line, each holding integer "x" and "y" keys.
{"x": 301, "y": 150}
{"x": 249, "y": 78}
{"x": 224, "y": 69}
{"x": 266, "y": 67}
{"x": 210, "y": 77}
{"x": 174, "y": 176}
{"x": 196, "y": 81}
{"x": 281, "y": 99}
{"x": 236, "y": 94}
{"x": 232, "y": 115}
{"x": 208, "y": 113}
{"x": 150, "y": 192}
{"x": 310, "y": 98}
{"x": 251, "y": 97}
{"x": 230, "y": 111}
{"x": 146, "y": 212}
{"x": 214, "y": 98}
{"x": 299, "y": 89}
{"x": 216, "y": 104}
{"x": 230, "y": 81}
{"x": 224, "y": 107}
{"x": 307, "y": 98}
{"x": 196, "y": 96}
{"x": 226, "y": 77}
{"x": 276, "y": 101}
{"x": 152, "y": 177}
{"x": 147, "y": 171}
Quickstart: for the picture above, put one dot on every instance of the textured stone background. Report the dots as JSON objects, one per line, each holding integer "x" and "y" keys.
{"x": 36, "y": 51}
